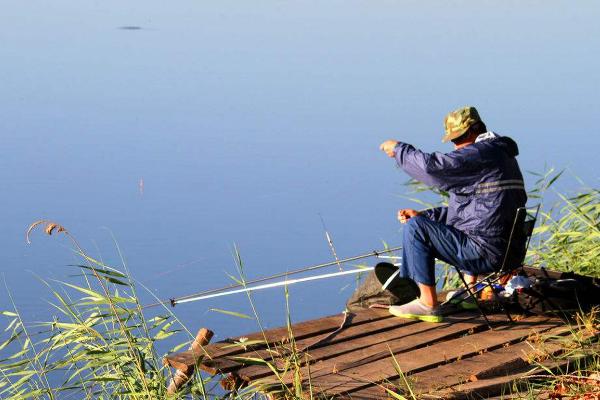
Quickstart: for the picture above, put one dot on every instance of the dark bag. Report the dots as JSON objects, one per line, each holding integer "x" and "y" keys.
{"x": 560, "y": 296}
{"x": 401, "y": 290}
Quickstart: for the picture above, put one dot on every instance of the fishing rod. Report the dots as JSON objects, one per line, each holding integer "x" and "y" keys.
{"x": 286, "y": 282}
{"x": 244, "y": 285}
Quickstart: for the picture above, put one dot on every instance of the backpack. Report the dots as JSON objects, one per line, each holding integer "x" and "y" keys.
{"x": 570, "y": 293}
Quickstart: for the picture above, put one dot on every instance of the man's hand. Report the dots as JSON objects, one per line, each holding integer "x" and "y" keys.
{"x": 388, "y": 147}
{"x": 406, "y": 213}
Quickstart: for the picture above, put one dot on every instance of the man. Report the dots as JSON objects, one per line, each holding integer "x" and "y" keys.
{"x": 485, "y": 187}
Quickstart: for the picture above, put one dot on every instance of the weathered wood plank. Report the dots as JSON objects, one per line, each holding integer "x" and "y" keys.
{"x": 354, "y": 376}
{"x": 507, "y": 384}
{"x": 373, "y": 392}
{"x": 537, "y": 395}
{"x": 228, "y": 363}
{"x": 300, "y": 330}
{"x": 502, "y": 385}
{"x": 498, "y": 362}
{"x": 376, "y": 391}
{"x": 406, "y": 344}
{"x": 411, "y": 334}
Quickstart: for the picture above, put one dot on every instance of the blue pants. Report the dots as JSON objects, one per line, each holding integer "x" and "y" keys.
{"x": 425, "y": 240}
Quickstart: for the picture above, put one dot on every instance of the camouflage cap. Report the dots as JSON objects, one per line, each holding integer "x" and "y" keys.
{"x": 458, "y": 122}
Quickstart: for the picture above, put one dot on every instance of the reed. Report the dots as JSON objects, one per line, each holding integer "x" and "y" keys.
{"x": 99, "y": 343}
{"x": 568, "y": 239}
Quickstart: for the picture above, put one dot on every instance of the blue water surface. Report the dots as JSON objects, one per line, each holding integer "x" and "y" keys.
{"x": 186, "y": 128}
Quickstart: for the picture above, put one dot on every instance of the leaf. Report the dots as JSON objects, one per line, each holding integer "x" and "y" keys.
{"x": 244, "y": 344}
{"x": 106, "y": 270}
{"x": 115, "y": 281}
{"x": 250, "y": 360}
{"x": 177, "y": 348}
{"x": 235, "y": 314}
{"x": 394, "y": 394}
{"x": 161, "y": 335}
{"x": 9, "y": 340}
{"x": 9, "y": 313}
{"x": 95, "y": 295}
{"x": 554, "y": 179}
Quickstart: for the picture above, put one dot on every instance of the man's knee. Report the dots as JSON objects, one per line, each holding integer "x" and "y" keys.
{"x": 417, "y": 223}
{"x": 416, "y": 226}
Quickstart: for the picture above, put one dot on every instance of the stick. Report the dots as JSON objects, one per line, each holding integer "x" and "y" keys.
{"x": 180, "y": 377}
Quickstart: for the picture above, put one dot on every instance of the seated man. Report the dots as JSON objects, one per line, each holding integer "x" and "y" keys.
{"x": 485, "y": 187}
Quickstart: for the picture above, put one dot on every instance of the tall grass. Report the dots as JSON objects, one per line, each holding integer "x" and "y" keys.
{"x": 99, "y": 343}
{"x": 568, "y": 239}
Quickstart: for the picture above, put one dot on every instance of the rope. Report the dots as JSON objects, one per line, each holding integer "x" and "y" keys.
{"x": 328, "y": 336}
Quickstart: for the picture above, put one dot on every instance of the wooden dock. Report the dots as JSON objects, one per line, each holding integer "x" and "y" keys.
{"x": 376, "y": 353}
{"x": 371, "y": 354}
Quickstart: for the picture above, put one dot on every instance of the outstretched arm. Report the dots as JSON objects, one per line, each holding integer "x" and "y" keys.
{"x": 450, "y": 172}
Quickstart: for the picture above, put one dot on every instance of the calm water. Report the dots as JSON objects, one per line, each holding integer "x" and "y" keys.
{"x": 246, "y": 120}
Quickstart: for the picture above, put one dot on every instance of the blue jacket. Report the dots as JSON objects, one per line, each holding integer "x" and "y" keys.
{"x": 485, "y": 186}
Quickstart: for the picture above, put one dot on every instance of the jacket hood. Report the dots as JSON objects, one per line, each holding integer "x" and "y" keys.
{"x": 508, "y": 145}
{"x": 505, "y": 143}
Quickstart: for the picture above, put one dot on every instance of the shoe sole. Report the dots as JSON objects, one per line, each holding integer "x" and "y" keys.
{"x": 424, "y": 318}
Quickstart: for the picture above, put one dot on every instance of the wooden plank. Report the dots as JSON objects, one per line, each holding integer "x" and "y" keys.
{"x": 507, "y": 384}
{"x": 229, "y": 363}
{"x": 526, "y": 393}
{"x": 353, "y": 376}
{"x": 373, "y": 392}
{"x": 486, "y": 388}
{"x": 502, "y": 385}
{"x": 403, "y": 343}
{"x": 501, "y": 361}
{"x": 410, "y": 332}
{"x": 535, "y": 394}
{"x": 300, "y": 330}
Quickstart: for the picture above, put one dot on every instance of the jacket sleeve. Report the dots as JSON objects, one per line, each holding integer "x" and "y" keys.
{"x": 450, "y": 172}
{"x": 437, "y": 214}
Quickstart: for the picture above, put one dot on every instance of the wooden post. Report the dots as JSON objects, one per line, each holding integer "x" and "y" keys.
{"x": 181, "y": 377}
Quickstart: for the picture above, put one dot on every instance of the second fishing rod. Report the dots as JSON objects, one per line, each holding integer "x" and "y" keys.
{"x": 374, "y": 253}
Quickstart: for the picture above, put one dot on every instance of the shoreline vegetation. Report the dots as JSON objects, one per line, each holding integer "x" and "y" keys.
{"x": 100, "y": 344}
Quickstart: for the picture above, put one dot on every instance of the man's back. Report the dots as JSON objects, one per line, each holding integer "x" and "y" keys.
{"x": 486, "y": 209}
{"x": 485, "y": 186}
